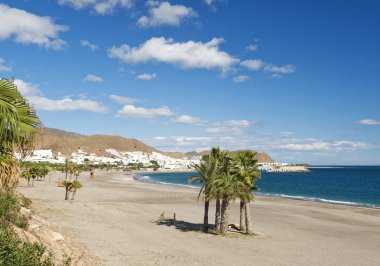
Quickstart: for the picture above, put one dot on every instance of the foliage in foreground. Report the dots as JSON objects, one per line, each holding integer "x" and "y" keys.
{"x": 14, "y": 251}
{"x": 19, "y": 126}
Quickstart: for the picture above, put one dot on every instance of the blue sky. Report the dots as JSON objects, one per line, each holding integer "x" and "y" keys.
{"x": 297, "y": 79}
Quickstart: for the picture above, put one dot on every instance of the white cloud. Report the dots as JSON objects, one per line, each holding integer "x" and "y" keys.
{"x": 185, "y": 55}
{"x": 27, "y": 28}
{"x": 212, "y": 3}
{"x": 190, "y": 140}
{"x": 123, "y": 99}
{"x": 3, "y": 67}
{"x": 101, "y": 7}
{"x": 230, "y": 126}
{"x": 287, "y": 133}
{"x": 159, "y": 138}
{"x": 275, "y": 76}
{"x": 34, "y": 96}
{"x": 254, "y": 65}
{"x": 165, "y": 13}
{"x": 187, "y": 119}
{"x": 93, "y": 78}
{"x": 369, "y": 122}
{"x": 268, "y": 143}
{"x": 241, "y": 78}
{"x": 252, "y": 47}
{"x": 322, "y": 145}
{"x": 286, "y": 69}
{"x": 146, "y": 76}
{"x": 140, "y": 112}
{"x": 86, "y": 43}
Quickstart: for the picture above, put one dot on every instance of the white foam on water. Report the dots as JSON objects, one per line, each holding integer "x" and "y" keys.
{"x": 349, "y": 203}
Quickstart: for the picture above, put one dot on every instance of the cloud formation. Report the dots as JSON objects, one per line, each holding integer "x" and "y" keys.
{"x": 86, "y": 43}
{"x": 212, "y": 3}
{"x": 34, "y": 96}
{"x": 165, "y": 13}
{"x": 241, "y": 79}
{"x": 188, "y": 119}
{"x": 267, "y": 143}
{"x": 369, "y": 122}
{"x": 27, "y": 28}
{"x": 230, "y": 126}
{"x": 101, "y": 7}
{"x": 93, "y": 78}
{"x": 123, "y": 99}
{"x": 147, "y": 76}
{"x": 278, "y": 71}
{"x": 188, "y": 55}
{"x": 252, "y": 47}
{"x": 254, "y": 65}
{"x": 323, "y": 145}
{"x": 3, "y": 67}
{"x": 140, "y": 112}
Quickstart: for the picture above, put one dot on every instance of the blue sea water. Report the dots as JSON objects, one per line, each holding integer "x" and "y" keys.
{"x": 350, "y": 185}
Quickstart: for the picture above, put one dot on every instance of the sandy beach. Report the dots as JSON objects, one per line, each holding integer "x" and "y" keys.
{"x": 115, "y": 217}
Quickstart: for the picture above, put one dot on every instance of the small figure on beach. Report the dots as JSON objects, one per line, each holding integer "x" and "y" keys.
{"x": 92, "y": 176}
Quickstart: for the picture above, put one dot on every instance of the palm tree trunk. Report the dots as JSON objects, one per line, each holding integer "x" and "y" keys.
{"x": 248, "y": 221}
{"x": 67, "y": 193}
{"x": 242, "y": 215}
{"x": 74, "y": 193}
{"x": 225, "y": 216}
{"x": 205, "y": 217}
{"x": 217, "y": 214}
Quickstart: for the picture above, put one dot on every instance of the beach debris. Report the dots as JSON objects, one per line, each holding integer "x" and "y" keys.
{"x": 162, "y": 218}
{"x": 234, "y": 226}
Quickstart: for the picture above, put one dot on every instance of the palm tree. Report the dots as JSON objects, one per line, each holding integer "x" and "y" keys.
{"x": 246, "y": 171}
{"x": 19, "y": 126}
{"x": 71, "y": 186}
{"x": 223, "y": 167}
{"x": 206, "y": 173}
{"x": 229, "y": 187}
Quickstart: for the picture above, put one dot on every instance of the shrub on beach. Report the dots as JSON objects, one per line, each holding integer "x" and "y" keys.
{"x": 71, "y": 186}
{"x": 14, "y": 251}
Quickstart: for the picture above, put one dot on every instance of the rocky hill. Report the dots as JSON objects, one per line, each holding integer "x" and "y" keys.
{"x": 67, "y": 142}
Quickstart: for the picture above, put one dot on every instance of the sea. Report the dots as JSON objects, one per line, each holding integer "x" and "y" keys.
{"x": 348, "y": 185}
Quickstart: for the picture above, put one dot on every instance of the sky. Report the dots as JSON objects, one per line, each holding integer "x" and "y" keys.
{"x": 297, "y": 79}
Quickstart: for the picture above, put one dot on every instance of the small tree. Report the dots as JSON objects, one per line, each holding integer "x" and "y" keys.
{"x": 71, "y": 186}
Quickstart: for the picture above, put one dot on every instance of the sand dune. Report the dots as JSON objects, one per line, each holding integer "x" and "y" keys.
{"x": 114, "y": 216}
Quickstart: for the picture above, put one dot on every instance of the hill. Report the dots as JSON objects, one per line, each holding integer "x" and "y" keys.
{"x": 67, "y": 142}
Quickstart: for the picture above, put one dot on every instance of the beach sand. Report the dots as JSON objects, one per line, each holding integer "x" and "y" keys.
{"x": 115, "y": 217}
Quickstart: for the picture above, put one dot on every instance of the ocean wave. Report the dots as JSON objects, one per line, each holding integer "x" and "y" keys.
{"x": 148, "y": 179}
{"x": 339, "y": 202}
{"x": 325, "y": 167}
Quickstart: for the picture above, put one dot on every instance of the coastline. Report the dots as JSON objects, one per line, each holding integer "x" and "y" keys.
{"x": 114, "y": 217}
{"x": 137, "y": 175}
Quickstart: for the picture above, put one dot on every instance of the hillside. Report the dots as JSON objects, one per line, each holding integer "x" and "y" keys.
{"x": 67, "y": 142}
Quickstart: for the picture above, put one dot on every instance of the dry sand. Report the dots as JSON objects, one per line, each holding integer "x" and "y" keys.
{"x": 114, "y": 217}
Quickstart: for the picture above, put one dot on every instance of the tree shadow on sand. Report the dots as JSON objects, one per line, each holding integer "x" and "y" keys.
{"x": 183, "y": 225}
{"x": 195, "y": 227}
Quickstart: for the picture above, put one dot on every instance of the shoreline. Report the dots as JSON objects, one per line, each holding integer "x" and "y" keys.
{"x": 115, "y": 217}
{"x": 264, "y": 194}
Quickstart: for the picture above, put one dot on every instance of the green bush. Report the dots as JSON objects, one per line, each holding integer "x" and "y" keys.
{"x": 13, "y": 251}
{"x": 10, "y": 210}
